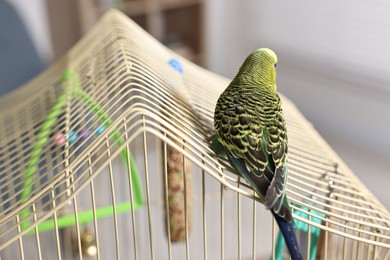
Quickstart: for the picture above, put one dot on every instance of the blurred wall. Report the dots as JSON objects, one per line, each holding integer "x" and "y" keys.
{"x": 334, "y": 63}
{"x": 24, "y": 43}
{"x": 34, "y": 15}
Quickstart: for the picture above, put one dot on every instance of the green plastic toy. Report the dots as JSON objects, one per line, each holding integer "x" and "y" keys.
{"x": 41, "y": 139}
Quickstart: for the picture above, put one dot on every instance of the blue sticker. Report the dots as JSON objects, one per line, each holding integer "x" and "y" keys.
{"x": 176, "y": 65}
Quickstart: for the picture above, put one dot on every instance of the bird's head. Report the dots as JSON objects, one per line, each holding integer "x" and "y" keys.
{"x": 259, "y": 68}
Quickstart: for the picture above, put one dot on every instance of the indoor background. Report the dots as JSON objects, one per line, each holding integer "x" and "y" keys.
{"x": 334, "y": 61}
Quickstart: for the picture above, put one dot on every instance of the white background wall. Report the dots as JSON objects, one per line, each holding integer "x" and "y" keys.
{"x": 334, "y": 63}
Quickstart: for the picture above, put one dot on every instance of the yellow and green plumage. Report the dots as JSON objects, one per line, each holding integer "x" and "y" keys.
{"x": 250, "y": 130}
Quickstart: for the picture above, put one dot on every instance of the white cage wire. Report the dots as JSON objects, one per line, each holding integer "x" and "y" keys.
{"x": 93, "y": 156}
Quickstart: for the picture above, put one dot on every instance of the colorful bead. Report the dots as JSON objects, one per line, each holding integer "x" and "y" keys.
{"x": 72, "y": 136}
{"x": 59, "y": 139}
{"x": 83, "y": 134}
{"x": 57, "y": 136}
{"x": 100, "y": 130}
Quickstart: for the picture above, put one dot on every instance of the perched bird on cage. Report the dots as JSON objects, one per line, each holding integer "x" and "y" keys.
{"x": 250, "y": 130}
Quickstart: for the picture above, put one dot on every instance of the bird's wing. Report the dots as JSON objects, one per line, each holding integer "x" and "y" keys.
{"x": 250, "y": 125}
{"x": 277, "y": 148}
{"x": 263, "y": 138}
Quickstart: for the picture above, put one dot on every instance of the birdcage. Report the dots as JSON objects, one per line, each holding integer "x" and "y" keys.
{"x": 106, "y": 155}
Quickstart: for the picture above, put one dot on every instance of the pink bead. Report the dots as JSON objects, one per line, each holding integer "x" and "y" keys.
{"x": 59, "y": 139}
{"x": 57, "y": 136}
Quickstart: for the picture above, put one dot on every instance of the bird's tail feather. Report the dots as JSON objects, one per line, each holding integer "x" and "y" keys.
{"x": 290, "y": 237}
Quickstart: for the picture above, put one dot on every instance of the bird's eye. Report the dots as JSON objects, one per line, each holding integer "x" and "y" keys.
{"x": 275, "y": 65}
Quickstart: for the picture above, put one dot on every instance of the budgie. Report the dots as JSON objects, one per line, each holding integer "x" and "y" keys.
{"x": 251, "y": 132}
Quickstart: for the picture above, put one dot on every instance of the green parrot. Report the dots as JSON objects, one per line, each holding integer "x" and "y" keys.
{"x": 251, "y": 132}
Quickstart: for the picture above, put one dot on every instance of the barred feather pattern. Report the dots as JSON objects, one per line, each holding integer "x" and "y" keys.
{"x": 249, "y": 123}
